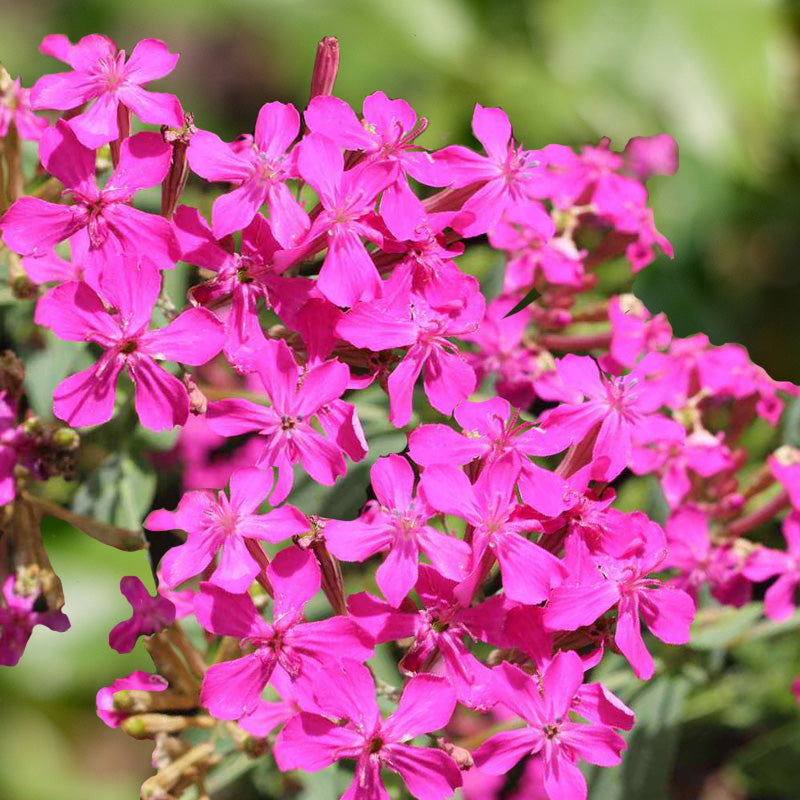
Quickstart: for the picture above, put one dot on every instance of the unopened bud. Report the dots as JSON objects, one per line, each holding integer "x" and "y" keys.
{"x": 198, "y": 402}
{"x": 460, "y": 755}
{"x": 326, "y": 65}
{"x": 23, "y": 288}
{"x": 66, "y": 439}
{"x": 12, "y": 374}
{"x": 172, "y": 187}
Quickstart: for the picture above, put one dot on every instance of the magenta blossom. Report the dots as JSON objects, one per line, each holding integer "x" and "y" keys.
{"x": 551, "y": 732}
{"x": 397, "y": 522}
{"x": 285, "y": 426}
{"x": 232, "y": 689}
{"x": 103, "y": 221}
{"x": 600, "y": 583}
{"x": 77, "y": 313}
{"x": 101, "y": 73}
{"x": 150, "y": 615}
{"x": 18, "y": 619}
{"x": 229, "y": 526}
{"x": 402, "y": 319}
{"x": 259, "y": 173}
{"x": 352, "y": 728}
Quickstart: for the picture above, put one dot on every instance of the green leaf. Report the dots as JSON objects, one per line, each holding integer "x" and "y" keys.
{"x": 119, "y": 491}
{"x": 526, "y": 301}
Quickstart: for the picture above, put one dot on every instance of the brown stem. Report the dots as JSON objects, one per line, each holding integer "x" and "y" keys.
{"x": 572, "y": 343}
{"x": 756, "y": 518}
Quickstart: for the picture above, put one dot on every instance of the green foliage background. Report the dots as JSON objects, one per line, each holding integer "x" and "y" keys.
{"x": 721, "y": 77}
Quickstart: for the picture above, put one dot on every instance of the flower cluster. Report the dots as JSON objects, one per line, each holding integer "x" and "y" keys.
{"x": 496, "y": 564}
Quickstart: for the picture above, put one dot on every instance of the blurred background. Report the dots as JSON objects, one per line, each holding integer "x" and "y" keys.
{"x": 722, "y": 78}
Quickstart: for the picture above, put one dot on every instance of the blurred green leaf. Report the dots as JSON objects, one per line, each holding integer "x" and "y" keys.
{"x": 46, "y": 368}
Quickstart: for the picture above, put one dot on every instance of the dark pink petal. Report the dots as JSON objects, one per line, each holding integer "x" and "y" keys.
{"x": 183, "y": 562}
{"x": 295, "y": 577}
{"x": 321, "y": 164}
{"x": 98, "y": 124}
{"x": 502, "y": 752}
{"x": 250, "y": 487}
{"x": 279, "y": 374}
{"x": 196, "y": 243}
{"x": 448, "y": 380}
{"x": 348, "y": 692}
{"x": 237, "y": 569}
{"x": 379, "y": 619}
{"x": 276, "y": 526}
{"x": 319, "y": 640}
{"x": 234, "y": 417}
{"x": 235, "y": 210}
{"x": 87, "y": 398}
{"x": 227, "y": 614}
{"x": 779, "y": 600}
{"x": 448, "y": 555}
{"x": 428, "y": 774}
{"x": 562, "y": 779}
{"x": 276, "y": 128}
{"x": 233, "y": 688}
{"x": 596, "y": 744}
{"x": 493, "y": 130}
{"x": 398, "y": 573}
{"x": 148, "y": 235}
{"x": 335, "y": 119}
{"x": 161, "y": 400}
{"x": 339, "y": 420}
{"x": 75, "y": 313}
{"x": 321, "y": 458}
{"x": 150, "y": 60}
{"x": 629, "y": 638}
{"x": 321, "y": 385}
{"x": 356, "y": 540}
{"x": 64, "y": 157}
{"x": 63, "y": 90}
{"x": 392, "y": 481}
{"x": 529, "y": 572}
{"x": 214, "y": 160}
{"x": 560, "y": 682}
{"x": 426, "y": 705}
{"x": 90, "y": 49}
{"x": 594, "y": 702}
{"x": 448, "y": 489}
{"x": 571, "y": 607}
{"x": 154, "y": 108}
{"x": 32, "y": 226}
{"x": 132, "y": 290}
{"x": 348, "y": 274}
{"x": 311, "y": 743}
{"x": 370, "y": 327}
{"x": 401, "y": 385}
{"x": 144, "y": 161}
{"x": 287, "y": 218}
{"x": 668, "y": 613}
{"x": 438, "y": 444}
{"x": 194, "y": 337}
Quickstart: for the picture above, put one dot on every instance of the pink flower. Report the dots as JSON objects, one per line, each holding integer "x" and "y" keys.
{"x": 402, "y": 319}
{"x": 508, "y": 175}
{"x": 489, "y": 505}
{"x": 285, "y": 426}
{"x": 646, "y": 156}
{"x": 551, "y": 732}
{"x": 605, "y": 582}
{"x": 397, "y": 521}
{"x": 490, "y": 430}
{"x": 230, "y": 527}
{"x": 232, "y": 689}
{"x": 136, "y": 681}
{"x": 352, "y": 727}
{"x": 77, "y": 313}
{"x": 439, "y": 629}
{"x": 106, "y": 226}
{"x": 101, "y": 73}
{"x": 150, "y": 615}
{"x": 259, "y": 173}
{"x": 18, "y": 619}
{"x": 15, "y": 107}
{"x": 348, "y": 200}
{"x": 617, "y": 412}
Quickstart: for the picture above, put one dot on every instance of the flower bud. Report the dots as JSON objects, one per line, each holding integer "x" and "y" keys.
{"x": 326, "y": 65}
